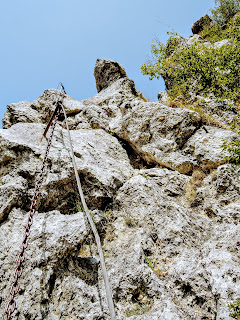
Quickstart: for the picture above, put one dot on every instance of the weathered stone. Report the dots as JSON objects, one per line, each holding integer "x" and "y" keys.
{"x": 12, "y": 193}
{"x": 206, "y": 146}
{"x": 199, "y": 25}
{"x": 102, "y": 163}
{"x": 155, "y": 132}
{"x": 224, "y": 42}
{"x": 163, "y": 97}
{"x": 19, "y": 112}
{"x": 40, "y": 110}
{"x": 106, "y": 72}
{"x": 169, "y": 226}
{"x": 187, "y": 252}
{"x": 54, "y": 238}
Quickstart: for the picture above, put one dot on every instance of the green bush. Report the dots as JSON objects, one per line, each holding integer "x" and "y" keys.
{"x": 201, "y": 68}
{"x": 234, "y": 307}
{"x": 197, "y": 68}
{"x": 224, "y": 11}
{"x": 214, "y": 32}
{"x": 233, "y": 147}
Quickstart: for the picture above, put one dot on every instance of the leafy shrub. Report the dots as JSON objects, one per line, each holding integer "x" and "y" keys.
{"x": 214, "y": 32}
{"x": 235, "y": 309}
{"x": 225, "y": 10}
{"x": 234, "y": 151}
{"x": 200, "y": 68}
{"x": 203, "y": 68}
{"x": 233, "y": 147}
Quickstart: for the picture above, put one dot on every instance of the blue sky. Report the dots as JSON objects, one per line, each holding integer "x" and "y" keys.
{"x": 44, "y": 42}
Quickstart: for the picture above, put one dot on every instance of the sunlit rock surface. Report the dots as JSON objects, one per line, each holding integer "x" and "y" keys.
{"x": 164, "y": 200}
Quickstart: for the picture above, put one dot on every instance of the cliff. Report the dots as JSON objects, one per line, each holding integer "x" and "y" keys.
{"x": 163, "y": 197}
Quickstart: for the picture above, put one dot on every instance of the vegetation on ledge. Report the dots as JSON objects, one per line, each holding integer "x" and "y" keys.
{"x": 202, "y": 67}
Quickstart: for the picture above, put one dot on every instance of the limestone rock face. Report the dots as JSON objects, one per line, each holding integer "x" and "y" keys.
{"x": 106, "y": 72}
{"x": 100, "y": 159}
{"x": 164, "y": 200}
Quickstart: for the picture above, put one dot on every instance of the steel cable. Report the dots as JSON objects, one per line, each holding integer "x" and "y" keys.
{"x": 11, "y": 306}
{"x": 94, "y": 229}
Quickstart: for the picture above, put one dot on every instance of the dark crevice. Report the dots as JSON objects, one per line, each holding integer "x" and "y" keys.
{"x": 85, "y": 268}
{"x": 51, "y": 282}
{"x": 182, "y": 145}
{"x": 31, "y": 179}
{"x": 193, "y": 299}
{"x": 154, "y": 236}
{"x": 186, "y": 289}
{"x": 136, "y": 159}
{"x": 107, "y": 203}
{"x": 71, "y": 113}
{"x": 63, "y": 195}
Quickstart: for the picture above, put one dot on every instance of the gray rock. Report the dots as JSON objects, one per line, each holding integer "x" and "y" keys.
{"x": 19, "y": 112}
{"x": 53, "y": 240}
{"x": 154, "y": 131}
{"x": 102, "y": 163}
{"x": 192, "y": 40}
{"x": 221, "y": 112}
{"x": 191, "y": 249}
{"x": 199, "y": 25}
{"x": 206, "y": 146}
{"x": 221, "y": 43}
{"x": 12, "y": 193}
{"x": 163, "y": 97}
{"x": 165, "y": 203}
{"x": 106, "y": 72}
{"x": 40, "y": 110}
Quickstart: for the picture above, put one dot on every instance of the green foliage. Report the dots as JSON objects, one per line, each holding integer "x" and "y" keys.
{"x": 234, "y": 151}
{"x": 80, "y": 208}
{"x": 200, "y": 68}
{"x": 137, "y": 309}
{"x": 149, "y": 262}
{"x": 153, "y": 67}
{"x": 233, "y": 147}
{"x": 171, "y": 45}
{"x": 234, "y": 307}
{"x": 224, "y": 11}
{"x": 72, "y": 204}
{"x": 214, "y": 32}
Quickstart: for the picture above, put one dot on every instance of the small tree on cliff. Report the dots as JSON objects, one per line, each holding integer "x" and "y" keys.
{"x": 225, "y": 10}
{"x": 200, "y": 69}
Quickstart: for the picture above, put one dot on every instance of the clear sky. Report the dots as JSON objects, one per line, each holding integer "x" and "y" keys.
{"x": 44, "y": 42}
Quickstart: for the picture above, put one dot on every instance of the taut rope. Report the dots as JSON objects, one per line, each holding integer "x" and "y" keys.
{"x": 11, "y": 306}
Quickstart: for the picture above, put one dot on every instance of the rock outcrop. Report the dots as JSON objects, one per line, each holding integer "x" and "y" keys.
{"x": 199, "y": 25}
{"x": 106, "y": 72}
{"x": 164, "y": 200}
